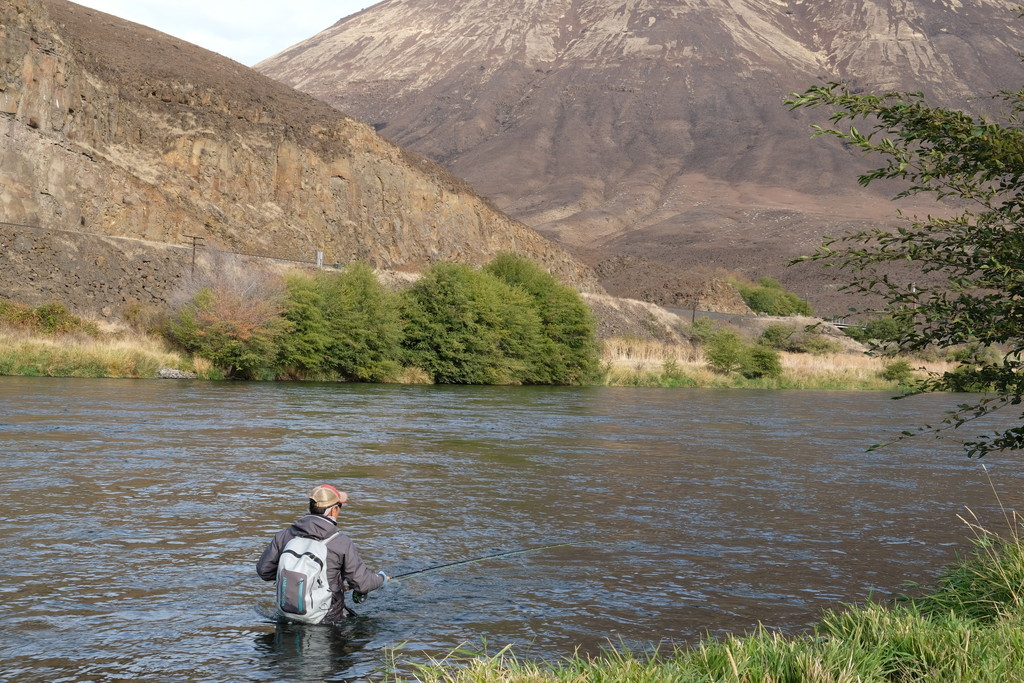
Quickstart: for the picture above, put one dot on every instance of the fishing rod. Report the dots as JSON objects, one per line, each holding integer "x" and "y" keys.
{"x": 359, "y": 597}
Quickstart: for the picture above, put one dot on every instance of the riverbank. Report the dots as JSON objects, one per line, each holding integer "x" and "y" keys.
{"x": 652, "y": 364}
{"x": 121, "y": 354}
{"x": 967, "y": 628}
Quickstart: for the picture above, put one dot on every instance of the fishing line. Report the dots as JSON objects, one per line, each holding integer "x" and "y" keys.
{"x": 506, "y": 553}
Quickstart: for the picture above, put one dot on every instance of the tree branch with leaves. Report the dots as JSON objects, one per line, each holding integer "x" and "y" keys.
{"x": 956, "y": 277}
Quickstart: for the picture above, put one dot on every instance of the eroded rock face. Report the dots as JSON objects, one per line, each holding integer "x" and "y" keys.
{"x": 110, "y": 128}
{"x": 654, "y": 127}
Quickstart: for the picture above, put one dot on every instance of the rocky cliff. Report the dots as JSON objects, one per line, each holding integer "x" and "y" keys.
{"x": 654, "y": 128}
{"x": 109, "y": 128}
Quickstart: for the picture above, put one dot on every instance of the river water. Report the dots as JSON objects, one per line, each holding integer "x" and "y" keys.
{"x": 134, "y": 511}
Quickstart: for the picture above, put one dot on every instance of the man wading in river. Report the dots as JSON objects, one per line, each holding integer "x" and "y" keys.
{"x": 312, "y": 562}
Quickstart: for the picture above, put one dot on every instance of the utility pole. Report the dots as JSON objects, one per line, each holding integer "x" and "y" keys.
{"x": 196, "y": 239}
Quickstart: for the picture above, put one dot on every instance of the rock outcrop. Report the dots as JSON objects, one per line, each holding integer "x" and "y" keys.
{"x": 106, "y": 278}
{"x": 110, "y": 128}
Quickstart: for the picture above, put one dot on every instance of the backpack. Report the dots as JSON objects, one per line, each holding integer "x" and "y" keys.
{"x": 303, "y": 593}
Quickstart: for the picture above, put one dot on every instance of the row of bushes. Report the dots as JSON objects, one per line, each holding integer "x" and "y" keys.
{"x": 974, "y": 359}
{"x": 794, "y": 340}
{"x": 727, "y": 352}
{"x": 508, "y": 323}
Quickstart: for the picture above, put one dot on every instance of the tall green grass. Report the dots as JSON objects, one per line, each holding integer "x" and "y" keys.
{"x": 969, "y": 627}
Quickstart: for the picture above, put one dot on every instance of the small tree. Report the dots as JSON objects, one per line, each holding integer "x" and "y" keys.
{"x": 236, "y": 328}
{"x": 304, "y": 351}
{"x": 702, "y": 331}
{"x": 725, "y": 351}
{"x": 967, "y": 277}
{"x": 897, "y": 371}
{"x": 464, "y": 326}
{"x": 761, "y": 361}
{"x": 363, "y": 323}
{"x": 570, "y": 353}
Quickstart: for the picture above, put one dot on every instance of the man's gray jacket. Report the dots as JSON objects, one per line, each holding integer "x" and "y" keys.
{"x": 343, "y": 562}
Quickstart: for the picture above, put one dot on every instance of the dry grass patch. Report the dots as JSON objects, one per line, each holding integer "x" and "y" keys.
{"x": 24, "y": 353}
{"x": 859, "y": 369}
{"x": 640, "y": 362}
{"x": 644, "y": 354}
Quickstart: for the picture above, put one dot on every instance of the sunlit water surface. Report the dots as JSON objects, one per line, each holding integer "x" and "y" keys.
{"x": 134, "y": 511}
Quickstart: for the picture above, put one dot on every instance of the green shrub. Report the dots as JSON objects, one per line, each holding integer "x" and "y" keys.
{"x": 770, "y": 298}
{"x": 671, "y": 370}
{"x": 570, "y": 349}
{"x": 702, "y": 331}
{"x": 512, "y": 323}
{"x": 234, "y": 326}
{"x": 975, "y": 353}
{"x": 672, "y": 375}
{"x": 761, "y": 361}
{"x": 787, "y": 338}
{"x": 817, "y": 344}
{"x": 364, "y": 326}
{"x": 777, "y": 336}
{"x": 54, "y": 317}
{"x": 464, "y": 326}
{"x": 725, "y": 351}
{"x": 304, "y": 350}
{"x": 897, "y": 371}
{"x": 14, "y": 314}
{"x": 886, "y": 329}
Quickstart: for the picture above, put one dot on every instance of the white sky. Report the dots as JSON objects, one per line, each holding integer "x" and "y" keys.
{"x": 244, "y": 30}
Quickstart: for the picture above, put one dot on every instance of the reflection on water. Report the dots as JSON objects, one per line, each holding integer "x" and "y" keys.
{"x": 134, "y": 512}
{"x": 295, "y": 652}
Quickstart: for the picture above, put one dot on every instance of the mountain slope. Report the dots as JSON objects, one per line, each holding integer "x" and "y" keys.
{"x": 111, "y": 128}
{"x": 652, "y": 128}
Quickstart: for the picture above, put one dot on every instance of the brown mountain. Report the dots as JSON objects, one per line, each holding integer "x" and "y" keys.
{"x": 110, "y": 128}
{"x": 653, "y": 131}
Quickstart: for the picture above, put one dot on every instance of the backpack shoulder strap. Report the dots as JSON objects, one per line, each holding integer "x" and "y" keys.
{"x": 307, "y": 537}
